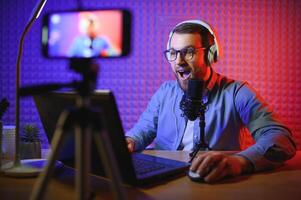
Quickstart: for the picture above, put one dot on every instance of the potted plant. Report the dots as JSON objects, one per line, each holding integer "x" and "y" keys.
{"x": 30, "y": 144}
{"x": 3, "y": 107}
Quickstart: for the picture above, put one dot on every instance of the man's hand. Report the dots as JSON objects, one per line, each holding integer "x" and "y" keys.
{"x": 213, "y": 166}
{"x": 130, "y": 144}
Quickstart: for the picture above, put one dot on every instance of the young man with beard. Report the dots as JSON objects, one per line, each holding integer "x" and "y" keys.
{"x": 230, "y": 106}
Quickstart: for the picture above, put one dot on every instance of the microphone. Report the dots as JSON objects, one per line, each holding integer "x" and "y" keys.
{"x": 192, "y": 106}
{"x": 192, "y": 101}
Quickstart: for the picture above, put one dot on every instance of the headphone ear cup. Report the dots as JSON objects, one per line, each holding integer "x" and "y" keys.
{"x": 212, "y": 54}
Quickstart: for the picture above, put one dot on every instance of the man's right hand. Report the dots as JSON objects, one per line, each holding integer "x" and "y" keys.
{"x": 130, "y": 144}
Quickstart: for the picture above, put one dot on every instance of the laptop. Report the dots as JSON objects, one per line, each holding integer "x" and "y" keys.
{"x": 134, "y": 168}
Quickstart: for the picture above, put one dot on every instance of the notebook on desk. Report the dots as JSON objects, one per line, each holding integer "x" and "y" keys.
{"x": 135, "y": 169}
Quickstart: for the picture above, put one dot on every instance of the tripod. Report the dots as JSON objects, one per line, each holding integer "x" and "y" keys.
{"x": 201, "y": 143}
{"x": 86, "y": 123}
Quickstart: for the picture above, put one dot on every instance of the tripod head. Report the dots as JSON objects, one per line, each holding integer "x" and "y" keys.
{"x": 89, "y": 71}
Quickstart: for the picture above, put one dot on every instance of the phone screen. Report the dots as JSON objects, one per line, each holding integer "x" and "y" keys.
{"x": 86, "y": 34}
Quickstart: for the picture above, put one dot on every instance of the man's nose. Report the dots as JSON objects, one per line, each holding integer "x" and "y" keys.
{"x": 180, "y": 58}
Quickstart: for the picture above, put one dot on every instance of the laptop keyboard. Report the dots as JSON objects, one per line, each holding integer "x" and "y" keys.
{"x": 146, "y": 165}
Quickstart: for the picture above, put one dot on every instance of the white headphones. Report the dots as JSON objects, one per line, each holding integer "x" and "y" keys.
{"x": 213, "y": 51}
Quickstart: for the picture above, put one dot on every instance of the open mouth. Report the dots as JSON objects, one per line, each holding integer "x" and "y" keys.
{"x": 184, "y": 74}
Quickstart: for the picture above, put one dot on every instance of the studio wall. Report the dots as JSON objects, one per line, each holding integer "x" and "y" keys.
{"x": 260, "y": 42}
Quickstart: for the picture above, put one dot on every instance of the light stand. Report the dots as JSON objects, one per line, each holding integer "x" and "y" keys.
{"x": 19, "y": 168}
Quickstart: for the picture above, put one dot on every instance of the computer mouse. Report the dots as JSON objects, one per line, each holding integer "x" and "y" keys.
{"x": 195, "y": 176}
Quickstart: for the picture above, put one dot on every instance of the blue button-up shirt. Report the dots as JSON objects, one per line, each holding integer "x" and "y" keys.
{"x": 231, "y": 106}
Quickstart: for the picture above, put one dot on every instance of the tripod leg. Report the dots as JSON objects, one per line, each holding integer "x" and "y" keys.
{"x": 44, "y": 177}
{"x": 109, "y": 162}
{"x": 82, "y": 142}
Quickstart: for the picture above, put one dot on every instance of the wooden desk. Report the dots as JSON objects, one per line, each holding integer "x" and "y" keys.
{"x": 282, "y": 183}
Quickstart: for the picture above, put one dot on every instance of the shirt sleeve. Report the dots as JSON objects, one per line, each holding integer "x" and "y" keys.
{"x": 274, "y": 143}
{"x": 145, "y": 130}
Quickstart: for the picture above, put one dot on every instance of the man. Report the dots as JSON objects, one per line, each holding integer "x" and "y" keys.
{"x": 230, "y": 106}
{"x": 90, "y": 43}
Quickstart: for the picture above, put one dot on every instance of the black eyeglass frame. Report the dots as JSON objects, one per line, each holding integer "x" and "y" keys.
{"x": 183, "y": 52}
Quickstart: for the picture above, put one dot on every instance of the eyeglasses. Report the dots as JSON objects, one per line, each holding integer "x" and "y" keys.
{"x": 186, "y": 53}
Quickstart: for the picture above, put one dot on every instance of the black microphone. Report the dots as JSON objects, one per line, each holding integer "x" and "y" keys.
{"x": 191, "y": 102}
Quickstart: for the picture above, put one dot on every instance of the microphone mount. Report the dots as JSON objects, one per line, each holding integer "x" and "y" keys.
{"x": 201, "y": 144}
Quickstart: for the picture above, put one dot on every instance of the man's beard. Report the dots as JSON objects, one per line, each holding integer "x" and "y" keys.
{"x": 183, "y": 85}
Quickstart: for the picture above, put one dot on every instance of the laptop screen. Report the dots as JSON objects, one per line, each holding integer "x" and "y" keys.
{"x": 51, "y": 105}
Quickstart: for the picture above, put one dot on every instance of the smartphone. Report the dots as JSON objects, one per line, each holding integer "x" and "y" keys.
{"x": 86, "y": 34}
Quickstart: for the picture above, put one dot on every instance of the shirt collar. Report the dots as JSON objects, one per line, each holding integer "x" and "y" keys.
{"x": 212, "y": 79}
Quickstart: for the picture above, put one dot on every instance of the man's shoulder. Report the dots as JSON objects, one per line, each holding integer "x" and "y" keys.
{"x": 223, "y": 81}
{"x": 234, "y": 86}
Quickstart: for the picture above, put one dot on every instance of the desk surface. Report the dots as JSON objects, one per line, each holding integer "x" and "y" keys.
{"x": 282, "y": 183}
